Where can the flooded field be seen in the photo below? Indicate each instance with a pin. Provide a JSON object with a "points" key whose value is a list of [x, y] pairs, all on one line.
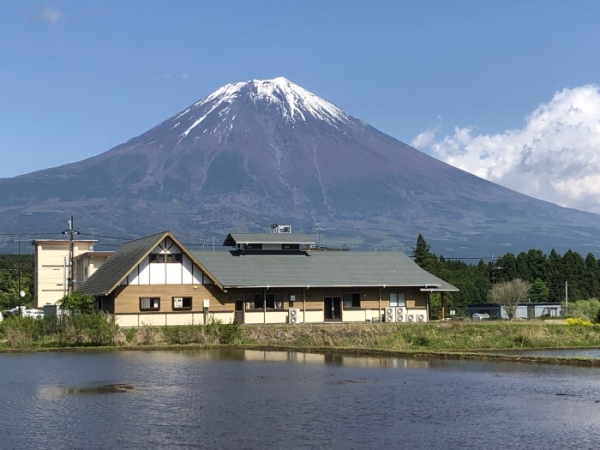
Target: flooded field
{"points": [[241, 399]]}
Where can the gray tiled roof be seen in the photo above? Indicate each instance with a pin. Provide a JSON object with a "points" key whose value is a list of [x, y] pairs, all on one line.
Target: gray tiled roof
{"points": [[117, 266], [267, 238], [316, 269]]}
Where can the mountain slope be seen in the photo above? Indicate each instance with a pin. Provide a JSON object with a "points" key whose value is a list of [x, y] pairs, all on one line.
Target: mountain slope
{"points": [[265, 151]]}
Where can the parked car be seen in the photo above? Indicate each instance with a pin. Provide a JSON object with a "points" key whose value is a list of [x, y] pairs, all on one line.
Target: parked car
{"points": [[33, 313], [481, 316]]}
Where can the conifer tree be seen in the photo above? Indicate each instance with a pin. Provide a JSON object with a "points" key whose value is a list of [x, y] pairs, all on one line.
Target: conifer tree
{"points": [[423, 256], [538, 292]]}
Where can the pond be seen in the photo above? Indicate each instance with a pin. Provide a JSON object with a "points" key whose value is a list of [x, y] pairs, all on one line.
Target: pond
{"points": [[241, 399]]}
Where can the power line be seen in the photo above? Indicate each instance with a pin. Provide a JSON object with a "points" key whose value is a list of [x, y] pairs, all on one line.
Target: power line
{"points": [[29, 234], [120, 238]]}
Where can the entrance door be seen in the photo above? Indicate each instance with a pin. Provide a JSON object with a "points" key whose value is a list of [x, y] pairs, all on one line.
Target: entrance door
{"points": [[333, 308], [239, 311], [531, 311]]}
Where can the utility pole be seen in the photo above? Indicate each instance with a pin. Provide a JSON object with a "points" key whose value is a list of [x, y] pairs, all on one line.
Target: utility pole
{"points": [[566, 298], [21, 291], [71, 232]]}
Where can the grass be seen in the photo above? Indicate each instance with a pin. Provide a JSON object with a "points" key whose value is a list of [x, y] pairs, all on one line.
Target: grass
{"points": [[463, 340], [462, 336]]}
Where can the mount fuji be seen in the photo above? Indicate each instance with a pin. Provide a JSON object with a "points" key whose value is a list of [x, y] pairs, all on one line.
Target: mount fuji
{"points": [[263, 151]]}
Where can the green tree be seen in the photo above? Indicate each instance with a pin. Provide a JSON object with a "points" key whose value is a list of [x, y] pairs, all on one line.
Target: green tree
{"points": [[592, 275], [78, 303], [585, 309], [11, 282], [555, 277], [423, 256], [538, 292], [575, 274], [507, 268]]}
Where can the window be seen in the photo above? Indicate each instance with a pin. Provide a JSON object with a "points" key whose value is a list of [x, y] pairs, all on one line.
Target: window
{"points": [[173, 257], [254, 301], [397, 299], [290, 246], [351, 301], [182, 303], [274, 301], [165, 258], [149, 303]]}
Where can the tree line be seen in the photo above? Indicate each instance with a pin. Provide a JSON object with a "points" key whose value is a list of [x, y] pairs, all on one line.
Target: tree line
{"points": [[547, 275], [16, 274]]}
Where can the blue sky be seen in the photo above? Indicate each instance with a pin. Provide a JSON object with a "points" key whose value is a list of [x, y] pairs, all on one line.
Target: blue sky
{"points": [[452, 77]]}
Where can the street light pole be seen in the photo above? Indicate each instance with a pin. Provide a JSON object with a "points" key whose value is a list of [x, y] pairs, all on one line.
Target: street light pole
{"points": [[21, 293], [71, 233]]}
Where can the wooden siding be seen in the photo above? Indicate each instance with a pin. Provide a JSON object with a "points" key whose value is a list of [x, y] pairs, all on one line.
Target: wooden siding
{"points": [[127, 298]]}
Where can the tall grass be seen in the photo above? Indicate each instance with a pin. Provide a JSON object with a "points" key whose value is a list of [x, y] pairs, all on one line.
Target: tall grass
{"points": [[429, 336], [65, 331], [101, 330]]}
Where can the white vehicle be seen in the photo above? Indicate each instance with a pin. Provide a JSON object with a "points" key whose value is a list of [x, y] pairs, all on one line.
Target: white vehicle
{"points": [[33, 313], [481, 316]]}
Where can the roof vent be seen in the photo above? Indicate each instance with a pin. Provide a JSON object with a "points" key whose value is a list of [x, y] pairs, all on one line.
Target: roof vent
{"points": [[281, 228]]}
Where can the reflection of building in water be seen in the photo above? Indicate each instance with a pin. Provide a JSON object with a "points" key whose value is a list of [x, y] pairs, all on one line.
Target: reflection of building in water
{"points": [[336, 359]]}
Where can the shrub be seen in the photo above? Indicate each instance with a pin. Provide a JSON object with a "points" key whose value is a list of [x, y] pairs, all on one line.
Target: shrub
{"points": [[580, 322], [22, 332], [585, 309], [149, 335], [184, 334], [222, 333], [86, 329]]}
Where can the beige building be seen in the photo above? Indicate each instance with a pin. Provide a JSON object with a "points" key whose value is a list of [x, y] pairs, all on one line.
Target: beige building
{"points": [[86, 264], [264, 278], [52, 268]]}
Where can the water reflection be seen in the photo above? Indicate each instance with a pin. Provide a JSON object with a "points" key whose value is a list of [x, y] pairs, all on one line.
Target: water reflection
{"points": [[334, 359], [567, 353], [231, 399]]}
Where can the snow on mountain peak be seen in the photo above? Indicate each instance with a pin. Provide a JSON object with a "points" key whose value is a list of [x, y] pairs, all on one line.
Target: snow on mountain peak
{"points": [[293, 101]]}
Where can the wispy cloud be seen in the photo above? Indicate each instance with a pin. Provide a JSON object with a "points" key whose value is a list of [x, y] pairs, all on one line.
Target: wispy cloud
{"points": [[167, 76], [48, 15], [164, 76], [554, 157]]}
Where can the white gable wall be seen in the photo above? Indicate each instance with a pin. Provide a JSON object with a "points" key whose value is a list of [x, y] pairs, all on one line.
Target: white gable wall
{"points": [[155, 273]]}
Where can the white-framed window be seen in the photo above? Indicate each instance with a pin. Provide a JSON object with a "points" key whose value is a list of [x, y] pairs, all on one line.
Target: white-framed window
{"points": [[149, 303], [182, 303], [397, 299]]}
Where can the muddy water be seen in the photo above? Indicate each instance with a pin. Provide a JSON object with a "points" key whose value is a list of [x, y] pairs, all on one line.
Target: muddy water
{"points": [[236, 399]]}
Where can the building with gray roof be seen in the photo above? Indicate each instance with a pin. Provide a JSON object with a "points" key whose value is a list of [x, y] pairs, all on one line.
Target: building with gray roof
{"points": [[264, 278]]}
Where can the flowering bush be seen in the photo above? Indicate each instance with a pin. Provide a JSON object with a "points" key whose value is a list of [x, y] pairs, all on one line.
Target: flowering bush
{"points": [[585, 323]]}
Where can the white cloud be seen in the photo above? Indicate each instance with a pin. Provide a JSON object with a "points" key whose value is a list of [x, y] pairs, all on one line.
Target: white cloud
{"points": [[425, 139], [49, 15], [554, 157]]}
